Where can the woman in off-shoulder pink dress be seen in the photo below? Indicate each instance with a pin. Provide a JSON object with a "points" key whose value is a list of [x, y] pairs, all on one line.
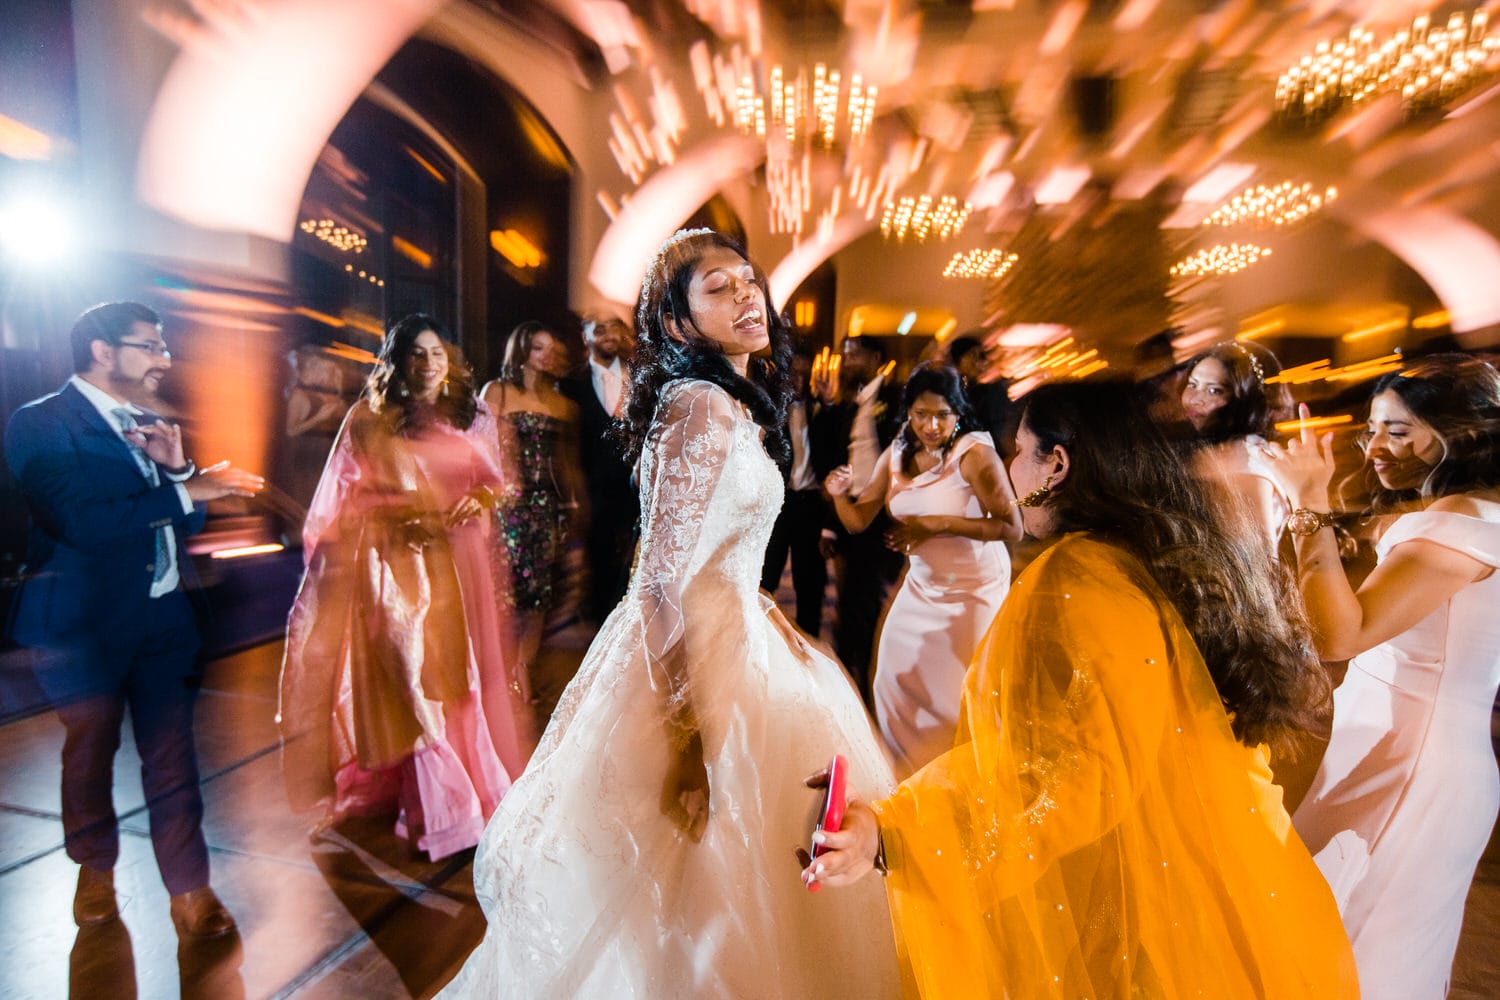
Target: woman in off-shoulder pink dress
{"points": [[1406, 796]]}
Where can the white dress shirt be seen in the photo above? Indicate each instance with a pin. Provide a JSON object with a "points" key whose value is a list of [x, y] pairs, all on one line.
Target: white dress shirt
{"points": [[864, 439], [609, 383], [802, 477], [106, 405]]}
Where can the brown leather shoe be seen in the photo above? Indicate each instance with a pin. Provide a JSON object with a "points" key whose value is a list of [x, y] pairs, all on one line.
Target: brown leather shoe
{"points": [[200, 914], [94, 902]]}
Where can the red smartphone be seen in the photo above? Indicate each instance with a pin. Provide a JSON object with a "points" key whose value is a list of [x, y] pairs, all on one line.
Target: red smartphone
{"points": [[835, 796]]}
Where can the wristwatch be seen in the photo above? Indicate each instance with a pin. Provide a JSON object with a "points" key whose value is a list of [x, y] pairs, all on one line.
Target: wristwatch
{"points": [[1304, 521]]}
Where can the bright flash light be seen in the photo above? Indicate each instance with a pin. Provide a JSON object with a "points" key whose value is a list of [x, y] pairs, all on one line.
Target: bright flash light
{"points": [[34, 231]]}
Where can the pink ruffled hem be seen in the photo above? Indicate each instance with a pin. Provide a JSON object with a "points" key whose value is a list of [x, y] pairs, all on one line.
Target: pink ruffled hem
{"points": [[445, 793]]}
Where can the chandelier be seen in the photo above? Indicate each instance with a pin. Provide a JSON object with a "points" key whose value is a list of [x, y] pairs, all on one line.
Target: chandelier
{"points": [[337, 236], [1266, 206], [920, 217], [800, 112], [795, 115], [1427, 66], [1219, 260], [980, 264]]}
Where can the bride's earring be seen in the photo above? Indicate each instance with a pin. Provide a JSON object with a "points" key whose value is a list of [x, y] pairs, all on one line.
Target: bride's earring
{"points": [[1036, 496]]}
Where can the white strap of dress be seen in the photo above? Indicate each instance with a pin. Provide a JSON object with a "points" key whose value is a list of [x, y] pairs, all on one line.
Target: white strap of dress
{"points": [[1473, 536]]}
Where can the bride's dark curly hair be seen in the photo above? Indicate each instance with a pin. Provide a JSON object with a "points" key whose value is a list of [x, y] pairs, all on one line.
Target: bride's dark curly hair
{"points": [[1127, 485], [661, 358]]}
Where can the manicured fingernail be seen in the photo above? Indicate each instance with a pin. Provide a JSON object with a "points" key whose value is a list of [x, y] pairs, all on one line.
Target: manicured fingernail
{"points": [[817, 871]]}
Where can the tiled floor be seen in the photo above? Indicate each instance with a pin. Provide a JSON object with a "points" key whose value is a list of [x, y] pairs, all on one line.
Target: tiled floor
{"points": [[353, 913]]}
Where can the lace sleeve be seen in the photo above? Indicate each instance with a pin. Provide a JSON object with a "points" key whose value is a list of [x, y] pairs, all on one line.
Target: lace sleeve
{"points": [[685, 454]]}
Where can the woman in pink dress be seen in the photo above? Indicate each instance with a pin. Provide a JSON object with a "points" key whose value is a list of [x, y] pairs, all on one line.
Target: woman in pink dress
{"points": [[395, 693], [943, 483]]}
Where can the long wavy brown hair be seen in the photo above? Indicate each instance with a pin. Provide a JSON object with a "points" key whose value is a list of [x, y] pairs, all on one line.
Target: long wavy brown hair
{"points": [[1255, 405], [1458, 397], [1127, 485], [386, 387]]}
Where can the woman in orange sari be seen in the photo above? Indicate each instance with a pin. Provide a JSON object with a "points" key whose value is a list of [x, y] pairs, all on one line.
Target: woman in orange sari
{"points": [[1105, 824]]}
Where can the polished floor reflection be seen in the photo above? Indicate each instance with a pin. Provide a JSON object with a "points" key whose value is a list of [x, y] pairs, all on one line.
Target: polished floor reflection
{"points": [[348, 912]]}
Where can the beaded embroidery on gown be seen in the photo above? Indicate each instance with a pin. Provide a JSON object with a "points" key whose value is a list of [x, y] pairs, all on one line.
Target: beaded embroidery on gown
{"points": [[589, 890], [532, 524]]}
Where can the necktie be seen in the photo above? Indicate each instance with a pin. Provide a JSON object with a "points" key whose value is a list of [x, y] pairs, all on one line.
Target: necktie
{"points": [[143, 462], [611, 384]]}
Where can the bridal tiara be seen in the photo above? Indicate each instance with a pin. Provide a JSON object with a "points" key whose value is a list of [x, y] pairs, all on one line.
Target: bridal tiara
{"points": [[655, 273], [1255, 366]]}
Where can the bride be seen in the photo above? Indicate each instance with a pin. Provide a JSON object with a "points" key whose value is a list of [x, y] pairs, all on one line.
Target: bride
{"points": [[647, 850]]}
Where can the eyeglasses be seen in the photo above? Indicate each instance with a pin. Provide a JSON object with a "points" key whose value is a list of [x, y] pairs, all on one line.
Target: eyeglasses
{"points": [[160, 350]]}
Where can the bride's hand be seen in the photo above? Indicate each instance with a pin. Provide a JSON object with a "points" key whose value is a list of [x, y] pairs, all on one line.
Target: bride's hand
{"points": [[684, 793], [795, 641]]}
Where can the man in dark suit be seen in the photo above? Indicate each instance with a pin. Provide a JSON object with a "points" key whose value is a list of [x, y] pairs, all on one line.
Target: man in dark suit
{"points": [[111, 498], [614, 507], [798, 529], [990, 400], [855, 430]]}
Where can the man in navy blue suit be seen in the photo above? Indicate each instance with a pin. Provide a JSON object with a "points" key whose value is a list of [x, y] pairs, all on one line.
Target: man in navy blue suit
{"points": [[111, 499]]}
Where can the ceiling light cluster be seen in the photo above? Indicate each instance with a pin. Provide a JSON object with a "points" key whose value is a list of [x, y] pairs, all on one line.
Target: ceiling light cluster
{"points": [[1427, 66], [979, 264], [337, 236], [797, 111], [1279, 205], [923, 216], [1219, 260], [366, 276]]}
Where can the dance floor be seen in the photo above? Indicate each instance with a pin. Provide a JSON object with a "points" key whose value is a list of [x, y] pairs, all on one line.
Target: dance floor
{"points": [[352, 912]]}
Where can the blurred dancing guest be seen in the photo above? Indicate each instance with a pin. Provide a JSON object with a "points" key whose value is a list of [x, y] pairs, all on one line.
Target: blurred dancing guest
{"points": [[1106, 824], [1233, 408], [315, 408], [112, 497], [861, 421], [634, 856], [1406, 795], [943, 483], [395, 693], [614, 508], [799, 527], [990, 401], [542, 425]]}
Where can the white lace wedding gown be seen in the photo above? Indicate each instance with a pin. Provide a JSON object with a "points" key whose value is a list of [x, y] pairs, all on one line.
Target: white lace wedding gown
{"points": [[589, 890]]}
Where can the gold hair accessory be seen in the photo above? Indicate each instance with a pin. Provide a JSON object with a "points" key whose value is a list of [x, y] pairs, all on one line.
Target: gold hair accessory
{"points": [[1255, 366], [654, 273], [1035, 497]]}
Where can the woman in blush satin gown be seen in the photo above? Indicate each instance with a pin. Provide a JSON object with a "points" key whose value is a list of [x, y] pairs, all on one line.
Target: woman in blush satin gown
{"points": [[943, 483], [648, 850], [395, 692], [1105, 825], [1407, 793]]}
